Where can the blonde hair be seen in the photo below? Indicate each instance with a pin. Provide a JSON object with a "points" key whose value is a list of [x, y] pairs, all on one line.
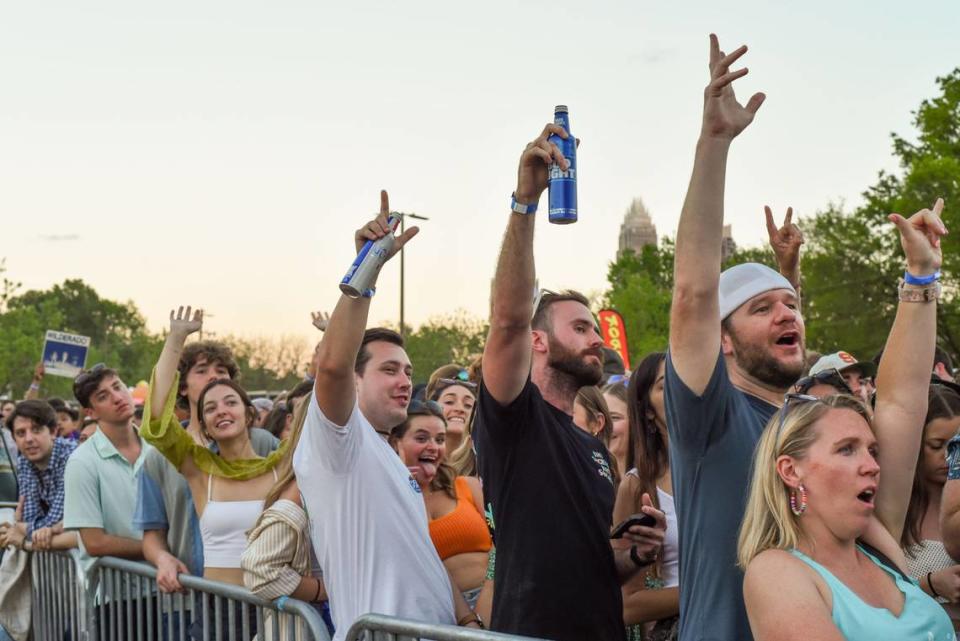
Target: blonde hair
{"points": [[285, 466], [768, 522]]}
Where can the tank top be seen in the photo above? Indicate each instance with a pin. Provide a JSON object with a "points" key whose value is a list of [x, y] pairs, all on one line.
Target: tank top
{"points": [[462, 530], [223, 528], [922, 619]]}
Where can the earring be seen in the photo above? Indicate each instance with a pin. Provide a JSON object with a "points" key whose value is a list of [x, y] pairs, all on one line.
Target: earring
{"points": [[798, 506]]}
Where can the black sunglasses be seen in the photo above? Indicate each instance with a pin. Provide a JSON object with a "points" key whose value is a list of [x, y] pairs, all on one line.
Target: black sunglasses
{"points": [[89, 374], [831, 377]]}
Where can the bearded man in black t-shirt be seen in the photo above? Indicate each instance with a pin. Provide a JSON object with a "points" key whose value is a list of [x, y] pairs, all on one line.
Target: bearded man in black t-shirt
{"points": [[549, 484]]}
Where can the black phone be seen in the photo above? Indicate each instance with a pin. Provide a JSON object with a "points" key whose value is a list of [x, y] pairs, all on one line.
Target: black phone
{"points": [[634, 519]]}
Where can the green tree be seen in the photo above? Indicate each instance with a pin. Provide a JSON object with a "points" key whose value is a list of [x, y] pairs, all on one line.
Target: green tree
{"points": [[117, 331], [441, 340], [641, 287]]}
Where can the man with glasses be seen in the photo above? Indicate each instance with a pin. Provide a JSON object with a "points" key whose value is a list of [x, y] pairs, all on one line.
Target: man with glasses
{"points": [[549, 483], [368, 521]]}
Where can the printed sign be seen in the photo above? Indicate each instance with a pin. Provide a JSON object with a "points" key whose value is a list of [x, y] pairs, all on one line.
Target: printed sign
{"points": [[614, 333], [65, 354]]}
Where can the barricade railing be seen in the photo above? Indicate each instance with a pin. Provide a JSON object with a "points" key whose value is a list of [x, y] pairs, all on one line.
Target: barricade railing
{"points": [[378, 627], [117, 601], [60, 604]]}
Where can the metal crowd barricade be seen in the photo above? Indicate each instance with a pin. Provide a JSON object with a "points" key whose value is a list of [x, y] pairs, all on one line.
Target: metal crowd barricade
{"points": [[377, 627], [118, 601], [60, 604]]}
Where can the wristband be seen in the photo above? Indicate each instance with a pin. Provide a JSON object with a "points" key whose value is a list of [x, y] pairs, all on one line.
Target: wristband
{"points": [[928, 294], [282, 601], [910, 279], [518, 208], [933, 590], [34, 386]]}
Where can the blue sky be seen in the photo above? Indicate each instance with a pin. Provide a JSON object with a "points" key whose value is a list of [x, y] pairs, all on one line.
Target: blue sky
{"points": [[221, 153]]}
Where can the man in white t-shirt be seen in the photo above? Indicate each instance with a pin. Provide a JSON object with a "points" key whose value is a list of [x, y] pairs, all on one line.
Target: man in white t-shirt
{"points": [[368, 522]]}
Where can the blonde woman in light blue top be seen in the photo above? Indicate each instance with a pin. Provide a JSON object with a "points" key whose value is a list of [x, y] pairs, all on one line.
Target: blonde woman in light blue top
{"points": [[820, 540]]}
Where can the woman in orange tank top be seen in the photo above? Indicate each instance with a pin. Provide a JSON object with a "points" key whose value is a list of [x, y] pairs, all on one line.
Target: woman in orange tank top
{"points": [[454, 503]]}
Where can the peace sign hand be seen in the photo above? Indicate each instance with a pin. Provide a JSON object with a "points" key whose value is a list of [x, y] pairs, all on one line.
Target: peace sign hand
{"points": [[181, 323], [723, 117]]}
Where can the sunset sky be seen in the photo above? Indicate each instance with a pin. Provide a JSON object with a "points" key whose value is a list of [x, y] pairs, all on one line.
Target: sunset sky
{"points": [[221, 154]]}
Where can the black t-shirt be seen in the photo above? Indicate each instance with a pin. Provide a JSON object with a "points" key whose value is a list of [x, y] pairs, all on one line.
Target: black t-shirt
{"points": [[550, 488]]}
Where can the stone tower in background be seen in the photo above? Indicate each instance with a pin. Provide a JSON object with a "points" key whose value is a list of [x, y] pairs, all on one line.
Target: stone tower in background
{"points": [[637, 229]]}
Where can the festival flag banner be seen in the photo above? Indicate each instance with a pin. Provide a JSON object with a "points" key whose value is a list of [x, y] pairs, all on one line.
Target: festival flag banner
{"points": [[65, 354], [614, 333]]}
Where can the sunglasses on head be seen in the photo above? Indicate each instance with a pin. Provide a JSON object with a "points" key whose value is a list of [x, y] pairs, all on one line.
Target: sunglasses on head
{"points": [[831, 377], [447, 382], [622, 379], [789, 402], [89, 374]]}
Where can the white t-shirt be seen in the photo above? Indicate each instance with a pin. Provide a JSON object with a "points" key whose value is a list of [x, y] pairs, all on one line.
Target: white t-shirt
{"points": [[368, 524]]}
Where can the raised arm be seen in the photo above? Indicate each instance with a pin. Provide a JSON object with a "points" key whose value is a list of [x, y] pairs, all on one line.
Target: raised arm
{"points": [[181, 326], [904, 375], [337, 352], [506, 356], [695, 313]]}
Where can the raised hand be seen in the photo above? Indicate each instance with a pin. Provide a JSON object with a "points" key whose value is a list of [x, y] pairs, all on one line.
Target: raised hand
{"points": [[785, 241], [723, 116], [39, 372], [320, 320], [920, 238], [378, 228], [535, 164], [182, 324]]}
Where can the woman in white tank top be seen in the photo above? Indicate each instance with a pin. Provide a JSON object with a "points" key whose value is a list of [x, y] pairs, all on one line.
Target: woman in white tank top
{"points": [[228, 488]]}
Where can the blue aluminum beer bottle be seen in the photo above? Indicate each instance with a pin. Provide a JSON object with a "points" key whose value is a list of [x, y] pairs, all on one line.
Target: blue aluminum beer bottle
{"points": [[363, 272], [563, 184]]}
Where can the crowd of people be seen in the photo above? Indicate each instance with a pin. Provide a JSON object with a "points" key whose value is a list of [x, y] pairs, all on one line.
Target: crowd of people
{"points": [[728, 487]]}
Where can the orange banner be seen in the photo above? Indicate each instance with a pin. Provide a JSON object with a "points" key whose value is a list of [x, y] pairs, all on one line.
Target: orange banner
{"points": [[614, 333]]}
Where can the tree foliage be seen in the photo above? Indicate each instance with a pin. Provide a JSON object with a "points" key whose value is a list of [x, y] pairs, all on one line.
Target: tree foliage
{"points": [[442, 340]]}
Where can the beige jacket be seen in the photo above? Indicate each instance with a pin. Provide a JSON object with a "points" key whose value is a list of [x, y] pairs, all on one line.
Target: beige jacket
{"points": [[278, 551]]}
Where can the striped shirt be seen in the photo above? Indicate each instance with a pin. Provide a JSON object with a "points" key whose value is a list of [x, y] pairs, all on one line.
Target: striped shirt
{"points": [[278, 551]]}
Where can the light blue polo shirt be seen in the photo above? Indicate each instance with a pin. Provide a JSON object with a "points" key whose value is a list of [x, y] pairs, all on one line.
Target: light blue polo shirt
{"points": [[101, 490]]}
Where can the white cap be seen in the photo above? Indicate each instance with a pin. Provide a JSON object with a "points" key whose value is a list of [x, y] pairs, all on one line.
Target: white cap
{"points": [[842, 361], [742, 282]]}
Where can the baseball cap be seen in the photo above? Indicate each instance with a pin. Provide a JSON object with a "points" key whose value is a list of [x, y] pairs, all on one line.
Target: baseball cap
{"points": [[740, 283], [263, 404], [842, 361]]}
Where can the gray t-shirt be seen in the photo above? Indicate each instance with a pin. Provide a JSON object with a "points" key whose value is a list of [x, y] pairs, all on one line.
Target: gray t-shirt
{"points": [[712, 439]]}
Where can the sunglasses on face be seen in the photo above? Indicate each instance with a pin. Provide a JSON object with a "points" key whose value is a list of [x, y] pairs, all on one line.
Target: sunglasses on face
{"points": [[88, 375], [831, 377]]}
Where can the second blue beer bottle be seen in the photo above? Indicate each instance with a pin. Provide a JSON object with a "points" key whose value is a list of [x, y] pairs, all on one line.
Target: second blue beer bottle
{"points": [[563, 184]]}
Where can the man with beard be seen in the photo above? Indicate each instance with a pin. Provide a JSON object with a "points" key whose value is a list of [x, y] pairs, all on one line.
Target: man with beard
{"points": [[550, 484], [736, 347]]}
